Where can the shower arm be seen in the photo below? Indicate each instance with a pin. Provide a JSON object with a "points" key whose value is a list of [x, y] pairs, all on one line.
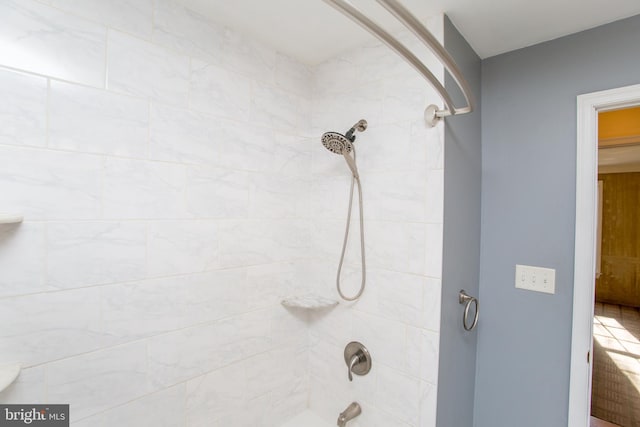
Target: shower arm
{"points": [[433, 114]]}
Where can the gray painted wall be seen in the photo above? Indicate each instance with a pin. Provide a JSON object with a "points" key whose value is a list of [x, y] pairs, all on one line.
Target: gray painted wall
{"points": [[462, 173], [528, 215]]}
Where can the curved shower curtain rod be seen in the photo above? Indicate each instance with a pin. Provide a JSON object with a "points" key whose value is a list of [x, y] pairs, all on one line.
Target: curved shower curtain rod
{"points": [[433, 114]]}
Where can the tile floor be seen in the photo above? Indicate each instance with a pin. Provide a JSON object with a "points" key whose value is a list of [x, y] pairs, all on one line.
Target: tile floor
{"points": [[615, 395]]}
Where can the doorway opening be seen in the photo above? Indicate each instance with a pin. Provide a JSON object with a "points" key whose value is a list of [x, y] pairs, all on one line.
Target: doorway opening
{"points": [[615, 391], [588, 260]]}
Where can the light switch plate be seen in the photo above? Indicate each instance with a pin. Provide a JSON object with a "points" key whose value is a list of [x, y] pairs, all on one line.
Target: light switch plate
{"points": [[537, 279]]}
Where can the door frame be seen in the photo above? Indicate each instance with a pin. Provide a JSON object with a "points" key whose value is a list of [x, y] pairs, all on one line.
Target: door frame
{"points": [[589, 105]]}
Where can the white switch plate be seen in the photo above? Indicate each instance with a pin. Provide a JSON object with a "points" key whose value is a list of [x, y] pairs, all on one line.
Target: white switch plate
{"points": [[537, 279]]}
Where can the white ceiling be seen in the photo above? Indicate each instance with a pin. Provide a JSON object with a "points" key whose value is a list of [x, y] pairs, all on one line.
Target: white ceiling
{"points": [[312, 31]]}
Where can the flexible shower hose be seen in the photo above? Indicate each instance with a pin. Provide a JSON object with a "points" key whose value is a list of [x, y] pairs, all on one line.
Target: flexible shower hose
{"points": [[354, 180]]}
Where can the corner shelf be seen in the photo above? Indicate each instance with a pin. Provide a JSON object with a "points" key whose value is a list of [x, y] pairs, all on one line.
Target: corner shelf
{"points": [[8, 374], [309, 302], [10, 218]]}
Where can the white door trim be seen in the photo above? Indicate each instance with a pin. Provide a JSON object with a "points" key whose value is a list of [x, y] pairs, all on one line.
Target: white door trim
{"points": [[585, 242]]}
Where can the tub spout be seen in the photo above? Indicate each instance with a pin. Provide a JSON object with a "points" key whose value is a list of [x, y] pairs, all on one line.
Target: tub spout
{"points": [[348, 414]]}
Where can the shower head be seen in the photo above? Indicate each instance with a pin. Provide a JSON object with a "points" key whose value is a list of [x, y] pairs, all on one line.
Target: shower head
{"points": [[339, 143], [343, 144], [336, 143]]}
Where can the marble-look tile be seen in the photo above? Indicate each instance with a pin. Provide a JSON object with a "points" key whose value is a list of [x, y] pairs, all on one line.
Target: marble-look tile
{"points": [[136, 310], [142, 189], [93, 421], [339, 111], [248, 56], [273, 196], [22, 258], [191, 352], [406, 99], [165, 408], [386, 148], [100, 380], [329, 196], [435, 196], [220, 92], [327, 400], [375, 62], [30, 386], [216, 395], [336, 75], [183, 30], [38, 38], [23, 120], [432, 304], [132, 16], [429, 351], [293, 75], [384, 338], [289, 399], [141, 68], [433, 250], [185, 136], [428, 404], [252, 242], [215, 295], [401, 196], [217, 193], [263, 150], [179, 247], [400, 246], [325, 163], [50, 185], [392, 395], [276, 108], [267, 284], [427, 146], [96, 121], [288, 328], [291, 156], [328, 238], [44, 327], [326, 360], [336, 329], [91, 253], [395, 296], [271, 370], [154, 306]]}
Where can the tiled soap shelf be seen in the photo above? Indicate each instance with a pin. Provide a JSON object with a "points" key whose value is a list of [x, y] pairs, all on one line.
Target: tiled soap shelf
{"points": [[8, 374], [309, 302], [10, 218]]}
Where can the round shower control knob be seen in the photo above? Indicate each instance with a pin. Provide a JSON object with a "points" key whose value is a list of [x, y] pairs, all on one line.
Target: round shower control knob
{"points": [[357, 358]]}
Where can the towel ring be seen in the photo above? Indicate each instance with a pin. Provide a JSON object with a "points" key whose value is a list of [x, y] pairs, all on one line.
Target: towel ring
{"points": [[464, 298]]}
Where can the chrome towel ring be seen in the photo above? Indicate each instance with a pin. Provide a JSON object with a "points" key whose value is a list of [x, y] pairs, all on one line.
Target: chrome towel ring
{"points": [[466, 299]]}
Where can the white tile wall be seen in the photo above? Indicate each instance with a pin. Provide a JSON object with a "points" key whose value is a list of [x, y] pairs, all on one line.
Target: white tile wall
{"points": [[401, 168], [174, 190], [161, 227], [141, 68], [96, 121], [47, 41], [23, 121]]}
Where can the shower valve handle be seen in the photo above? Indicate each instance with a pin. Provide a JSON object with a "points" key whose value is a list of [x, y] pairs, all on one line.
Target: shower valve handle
{"points": [[357, 358]]}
